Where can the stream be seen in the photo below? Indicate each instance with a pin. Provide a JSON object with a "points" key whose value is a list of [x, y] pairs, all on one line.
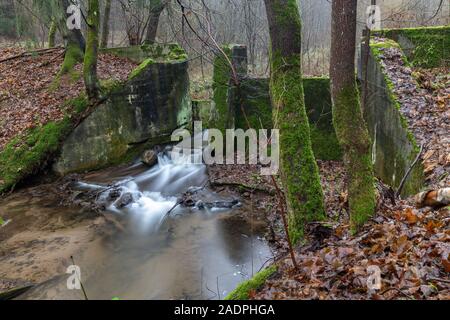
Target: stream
{"points": [[197, 252]]}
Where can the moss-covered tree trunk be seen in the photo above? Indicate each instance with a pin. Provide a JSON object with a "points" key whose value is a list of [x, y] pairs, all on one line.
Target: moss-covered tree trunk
{"points": [[349, 123], [299, 171], [156, 8], [52, 34], [73, 39], [91, 54], [105, 26]]}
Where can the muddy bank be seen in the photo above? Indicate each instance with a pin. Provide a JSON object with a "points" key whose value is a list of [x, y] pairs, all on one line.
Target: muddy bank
{"points": [[41, 235], [217, 235]]}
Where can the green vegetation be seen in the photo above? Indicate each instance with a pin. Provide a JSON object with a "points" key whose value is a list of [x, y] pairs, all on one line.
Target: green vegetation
{"points": [[425, 47], [243, 291], [30, 152], [256, 103], [52, 34], [376, 48], [416, 177], [91, 53], [325, 144], [171, 52], [355, 143], [319, 108], [258, 108], [74, 54], [221, 82], [143, 66], [300, 173]]}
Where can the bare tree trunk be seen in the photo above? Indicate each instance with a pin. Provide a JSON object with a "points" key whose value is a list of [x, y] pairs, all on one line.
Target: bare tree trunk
{"points": [[90, 57], [156, 8], [299, 171], [105, 27], [349, 123]]}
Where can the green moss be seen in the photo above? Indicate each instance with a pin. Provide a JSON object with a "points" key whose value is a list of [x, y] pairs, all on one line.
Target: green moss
{"points": [[355, 141], [287, 14], [28, 153], [177, 53], [431, 45], [243, 291], [256, 103], [376, 49], [171, 52], [300, 174], [73, 55], [325, 145], [221, 83], [143, 66]]}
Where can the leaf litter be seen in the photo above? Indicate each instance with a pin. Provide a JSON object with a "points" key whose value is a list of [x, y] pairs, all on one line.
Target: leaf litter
{"points": [[28, 96]]}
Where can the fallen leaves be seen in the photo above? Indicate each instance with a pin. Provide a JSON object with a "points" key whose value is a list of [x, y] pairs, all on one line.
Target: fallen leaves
{"points": [[424, 96], [407, 254], [411, 217], [27, 97]]}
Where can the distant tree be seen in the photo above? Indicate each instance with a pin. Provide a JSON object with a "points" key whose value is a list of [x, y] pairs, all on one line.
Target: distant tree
{"points": [[349, 123], [156, 7], [299, 171], [90, 57], [7, 19], [105, 27]]}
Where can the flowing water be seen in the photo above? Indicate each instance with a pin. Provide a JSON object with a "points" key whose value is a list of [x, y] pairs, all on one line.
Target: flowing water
{"points": [[192, 253]]}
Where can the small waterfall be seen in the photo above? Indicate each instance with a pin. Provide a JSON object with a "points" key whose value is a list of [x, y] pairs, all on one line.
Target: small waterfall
{"points": [[148, 197]]}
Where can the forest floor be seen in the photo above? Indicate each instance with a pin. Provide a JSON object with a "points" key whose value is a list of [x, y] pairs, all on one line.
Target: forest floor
{"points": [[28, 94], [424, 96], [410, 246]]}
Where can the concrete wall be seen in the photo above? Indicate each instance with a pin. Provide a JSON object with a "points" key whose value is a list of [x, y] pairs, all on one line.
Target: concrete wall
{"points": [[255, 100], [394, 146], [424, 47], [142, 112]]}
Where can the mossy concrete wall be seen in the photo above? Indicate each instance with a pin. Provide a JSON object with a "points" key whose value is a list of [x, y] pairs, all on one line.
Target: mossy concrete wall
{"points": [[158, 52], [225, 94], [394, 146], [424, 47], [202, 111], [253, 97], [142, 112]]}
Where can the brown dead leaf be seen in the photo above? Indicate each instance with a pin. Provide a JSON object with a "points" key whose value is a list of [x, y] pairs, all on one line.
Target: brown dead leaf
{"points": [[410, 216], [446, 264]]}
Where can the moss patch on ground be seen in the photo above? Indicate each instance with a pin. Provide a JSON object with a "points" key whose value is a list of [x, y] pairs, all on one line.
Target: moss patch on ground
{"points": [[242, 292], [28, 153]]}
